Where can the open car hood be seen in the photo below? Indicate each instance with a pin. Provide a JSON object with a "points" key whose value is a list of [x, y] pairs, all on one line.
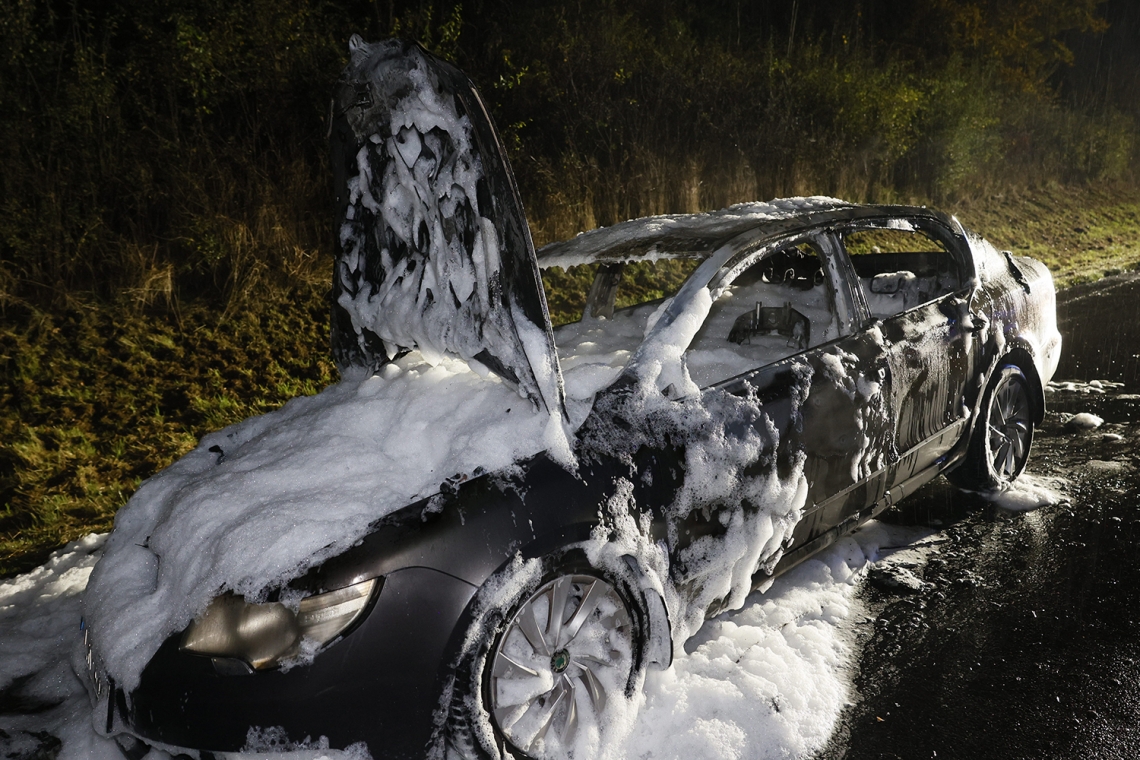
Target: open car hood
{"points": [[433, 250]]}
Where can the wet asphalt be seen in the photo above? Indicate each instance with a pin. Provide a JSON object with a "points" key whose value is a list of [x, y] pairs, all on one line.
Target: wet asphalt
{"points": [[1025, 640]]}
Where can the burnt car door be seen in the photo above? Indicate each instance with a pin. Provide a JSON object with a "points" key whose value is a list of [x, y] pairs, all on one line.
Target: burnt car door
{"points": [[914, 279], [781, 351]]}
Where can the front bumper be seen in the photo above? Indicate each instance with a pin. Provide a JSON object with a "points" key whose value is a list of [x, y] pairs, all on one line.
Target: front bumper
{"points": [[379, 685]]}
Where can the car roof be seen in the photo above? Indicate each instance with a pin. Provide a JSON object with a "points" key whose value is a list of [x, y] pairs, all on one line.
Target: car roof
{"points": [[698, 235]]}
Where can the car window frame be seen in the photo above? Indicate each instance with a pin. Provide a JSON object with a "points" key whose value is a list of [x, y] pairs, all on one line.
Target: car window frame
{"points": [[739, 251], [954, 241], [717, 272], [834, 269]]}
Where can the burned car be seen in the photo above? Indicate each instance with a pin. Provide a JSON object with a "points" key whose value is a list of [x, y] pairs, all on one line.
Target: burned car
{"points": [[478, 541]]}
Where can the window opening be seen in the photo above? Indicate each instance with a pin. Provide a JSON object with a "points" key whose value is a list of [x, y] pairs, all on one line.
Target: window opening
{"points": [[899, 269], [615, 308], [779, 306]]}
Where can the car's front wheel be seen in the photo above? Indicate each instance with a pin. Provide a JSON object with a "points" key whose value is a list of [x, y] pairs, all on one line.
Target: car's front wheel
{"points": [[566, 649], [557, 670], [1003, 434]]}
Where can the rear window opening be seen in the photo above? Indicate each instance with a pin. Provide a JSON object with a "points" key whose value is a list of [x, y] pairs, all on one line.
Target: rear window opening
{"points": [[899, 269]]}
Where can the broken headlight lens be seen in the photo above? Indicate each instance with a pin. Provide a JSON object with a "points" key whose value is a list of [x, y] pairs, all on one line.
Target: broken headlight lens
{"points": [[265, 635]]}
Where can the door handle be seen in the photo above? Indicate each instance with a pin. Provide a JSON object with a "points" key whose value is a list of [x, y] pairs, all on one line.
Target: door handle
{"points": [[959, 313]]}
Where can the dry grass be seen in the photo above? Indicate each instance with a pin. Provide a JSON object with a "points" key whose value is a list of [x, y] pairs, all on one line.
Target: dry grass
{"points": [[95, 397], [1082, 233]]}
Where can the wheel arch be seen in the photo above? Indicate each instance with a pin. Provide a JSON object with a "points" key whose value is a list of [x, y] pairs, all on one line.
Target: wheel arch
{"points": [[1020, 356], [648, 584], [489, 609]]}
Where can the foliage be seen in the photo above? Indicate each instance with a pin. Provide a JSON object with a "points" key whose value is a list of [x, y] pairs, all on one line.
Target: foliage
{"points": [[165, 214], [164, 149], [1023, 40], [175, 149]]}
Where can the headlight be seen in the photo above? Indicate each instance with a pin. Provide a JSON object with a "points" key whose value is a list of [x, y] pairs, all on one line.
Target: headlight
{"points": [[265, 635]]}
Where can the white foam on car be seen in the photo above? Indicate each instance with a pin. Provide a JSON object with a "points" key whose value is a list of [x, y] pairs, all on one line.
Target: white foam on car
{"points": [[284, 491], [302, 484], [712, 358], [793, 643], [642, 238], [422, 261]]}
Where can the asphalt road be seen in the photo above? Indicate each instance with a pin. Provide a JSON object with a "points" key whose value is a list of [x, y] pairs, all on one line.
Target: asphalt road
{"points": [[1025, 642]]}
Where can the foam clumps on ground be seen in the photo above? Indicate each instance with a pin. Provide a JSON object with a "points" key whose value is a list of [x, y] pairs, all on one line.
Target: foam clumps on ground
{"points": [[771, 679], [1029, 492], [1094, 387], [1084, 421], [766, 681]]}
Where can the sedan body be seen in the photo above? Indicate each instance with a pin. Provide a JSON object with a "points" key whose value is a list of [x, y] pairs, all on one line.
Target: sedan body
{"points": [[820, 362]]}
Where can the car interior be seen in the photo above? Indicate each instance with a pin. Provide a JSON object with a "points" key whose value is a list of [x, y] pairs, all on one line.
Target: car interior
{"points": [[900, 269], [779, 306]]}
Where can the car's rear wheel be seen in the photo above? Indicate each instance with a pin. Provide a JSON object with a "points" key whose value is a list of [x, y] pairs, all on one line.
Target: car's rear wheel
{"points": [[1003, 434]]}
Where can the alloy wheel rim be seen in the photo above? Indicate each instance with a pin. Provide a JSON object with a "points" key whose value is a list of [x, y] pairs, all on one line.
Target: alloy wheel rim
{"points": [[550, 673], [1009, 429]]}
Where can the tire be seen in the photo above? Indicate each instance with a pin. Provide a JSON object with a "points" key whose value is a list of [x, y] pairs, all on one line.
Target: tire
{"points": [[543, 683], [1003, 434]]}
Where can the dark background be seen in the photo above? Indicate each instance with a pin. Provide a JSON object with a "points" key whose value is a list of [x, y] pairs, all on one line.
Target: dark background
{"points": [[166, 209], [179, 145]]}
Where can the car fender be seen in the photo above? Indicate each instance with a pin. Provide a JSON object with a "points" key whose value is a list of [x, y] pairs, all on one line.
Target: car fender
{"points": [[638, 576]]}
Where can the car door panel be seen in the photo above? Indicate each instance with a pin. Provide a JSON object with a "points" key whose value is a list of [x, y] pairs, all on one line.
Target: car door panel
{"points": [[841, 425], [920, 300], [929, 361]]}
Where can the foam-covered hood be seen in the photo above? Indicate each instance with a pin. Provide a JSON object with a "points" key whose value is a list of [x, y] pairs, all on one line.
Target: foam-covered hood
{"points": [[433, 251]]}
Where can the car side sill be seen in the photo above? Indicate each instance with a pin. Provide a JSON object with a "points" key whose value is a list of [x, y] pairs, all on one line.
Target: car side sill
{"points": [[833, 534]]}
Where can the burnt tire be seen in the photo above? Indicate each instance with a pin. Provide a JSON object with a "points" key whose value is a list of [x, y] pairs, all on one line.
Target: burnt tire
{"points": [[1003, 434], [537, 681]]}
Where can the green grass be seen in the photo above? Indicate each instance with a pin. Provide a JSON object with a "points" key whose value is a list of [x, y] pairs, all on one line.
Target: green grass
{"points": [[1082, 233], [96, 397]]}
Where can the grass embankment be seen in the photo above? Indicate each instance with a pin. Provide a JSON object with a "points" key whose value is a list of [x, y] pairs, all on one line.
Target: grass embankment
{"points": [[1082, 234], [95, 398]]}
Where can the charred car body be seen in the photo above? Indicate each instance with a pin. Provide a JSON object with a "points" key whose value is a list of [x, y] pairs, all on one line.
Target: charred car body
{"points": [[820, 362]]}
